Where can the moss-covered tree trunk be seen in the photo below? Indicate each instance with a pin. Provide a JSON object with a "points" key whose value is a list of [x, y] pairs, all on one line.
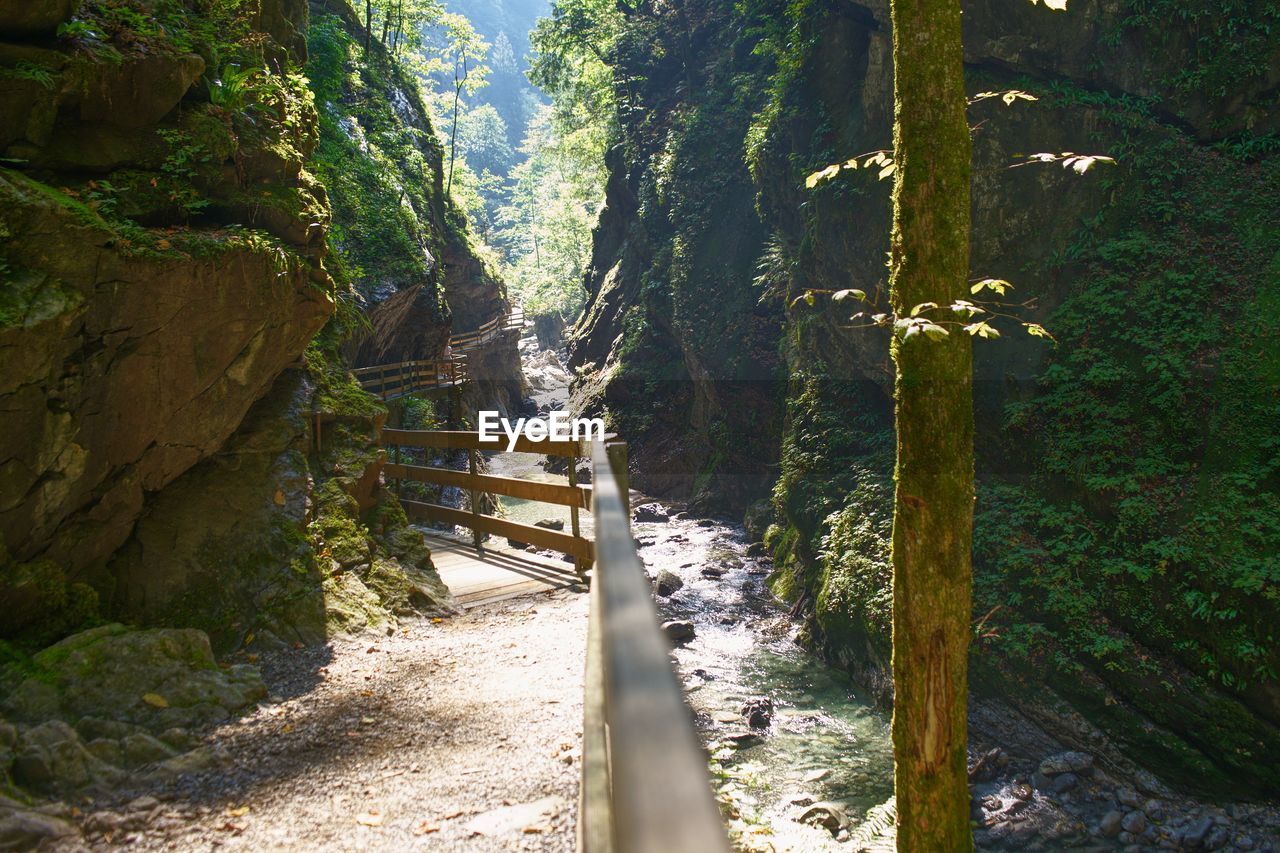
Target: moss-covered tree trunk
{"points": [[933, 509]]}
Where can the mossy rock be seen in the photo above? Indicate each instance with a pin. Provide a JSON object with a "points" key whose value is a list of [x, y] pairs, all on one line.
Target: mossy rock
{"points": [[157, 679]]}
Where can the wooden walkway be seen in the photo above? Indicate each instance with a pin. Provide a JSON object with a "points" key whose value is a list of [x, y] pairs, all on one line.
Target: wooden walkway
{"points": [[499, 573]]}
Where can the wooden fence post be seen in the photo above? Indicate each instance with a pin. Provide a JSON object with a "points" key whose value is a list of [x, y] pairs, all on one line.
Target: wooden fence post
{"points": [[475, 500], [578, 563]]}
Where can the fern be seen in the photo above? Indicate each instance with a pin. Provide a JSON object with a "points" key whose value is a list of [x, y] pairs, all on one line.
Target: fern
{"points": [[877, 832]]}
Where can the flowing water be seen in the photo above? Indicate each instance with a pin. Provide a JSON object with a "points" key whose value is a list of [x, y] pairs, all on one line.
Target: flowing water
{"points": [[825, 742]]}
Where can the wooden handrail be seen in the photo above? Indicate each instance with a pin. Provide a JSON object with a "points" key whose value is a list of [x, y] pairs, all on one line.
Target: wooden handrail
{"points": [[463, 440], [530, 490], [389, 381], [645, 784]]}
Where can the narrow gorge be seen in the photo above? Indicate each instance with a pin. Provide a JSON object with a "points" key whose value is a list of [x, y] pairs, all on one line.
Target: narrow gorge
{"points": [[263, 263]]}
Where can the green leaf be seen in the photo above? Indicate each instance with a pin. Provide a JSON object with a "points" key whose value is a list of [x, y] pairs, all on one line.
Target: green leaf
{"points": [[887, 170], [934, 331], [821, 175], [1038, 331], [841, 295], [996, 285], [923, 306], [982, 330]]}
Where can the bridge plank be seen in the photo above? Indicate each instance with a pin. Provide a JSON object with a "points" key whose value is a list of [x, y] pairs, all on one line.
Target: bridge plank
{"points": [[540, 536]]}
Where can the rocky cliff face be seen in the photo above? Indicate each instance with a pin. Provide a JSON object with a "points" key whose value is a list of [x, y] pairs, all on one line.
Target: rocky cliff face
{"points": [[170, 455], [1126, 526], [162, 259], [400, 241]]}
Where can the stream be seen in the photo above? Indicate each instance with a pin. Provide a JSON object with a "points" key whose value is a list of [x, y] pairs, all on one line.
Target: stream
{"points": [[825, 742]]}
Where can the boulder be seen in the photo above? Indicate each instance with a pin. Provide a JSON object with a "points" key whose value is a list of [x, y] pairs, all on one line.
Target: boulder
{"points": [[550, 523], [827, 815], [758, 712], [156, 679], [667, 583], [139, 91], [678, 631], [650, 512]]}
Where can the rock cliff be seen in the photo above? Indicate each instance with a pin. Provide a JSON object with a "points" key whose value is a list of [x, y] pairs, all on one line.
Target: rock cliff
{"points": [[1123, 606]]}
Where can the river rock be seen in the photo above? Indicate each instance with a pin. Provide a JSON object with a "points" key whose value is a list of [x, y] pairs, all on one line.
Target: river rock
{"points": [[650, 512], [1067, 762], [550, 523], [667, 583], [712, 573], [1129, 797], [758, 712], [1109, 826], [827, 815], [742, 738], [678, 630], [1196, 833], [1134, 822], [1217, 839]]}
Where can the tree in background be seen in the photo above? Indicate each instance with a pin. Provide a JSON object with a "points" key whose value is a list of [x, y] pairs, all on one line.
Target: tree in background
{"points": [[933, 505]]}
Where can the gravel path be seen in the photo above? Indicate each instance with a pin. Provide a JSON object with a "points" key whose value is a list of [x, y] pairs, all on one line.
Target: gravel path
{"points": [[456, 734]]}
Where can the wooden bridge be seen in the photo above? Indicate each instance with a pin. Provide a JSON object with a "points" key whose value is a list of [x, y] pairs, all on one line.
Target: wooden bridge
{"points": [[392, 381], [645, 786]]}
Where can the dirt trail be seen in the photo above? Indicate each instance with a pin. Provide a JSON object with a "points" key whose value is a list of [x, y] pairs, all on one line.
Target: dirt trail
{"points": [[456, 734]]}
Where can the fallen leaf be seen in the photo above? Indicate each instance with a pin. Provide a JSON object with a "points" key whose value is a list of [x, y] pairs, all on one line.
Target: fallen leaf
{"points": [[370, 818], [155, 700], [425, 827], [237, 812], [288, 727]]}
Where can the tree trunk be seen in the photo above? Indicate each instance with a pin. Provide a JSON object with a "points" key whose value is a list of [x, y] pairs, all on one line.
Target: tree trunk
{"points": [[458, 83], [368, 24], [933, 508]]}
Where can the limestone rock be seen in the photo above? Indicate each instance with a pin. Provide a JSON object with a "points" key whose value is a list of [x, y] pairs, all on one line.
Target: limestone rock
{"points": [[138, 91]]}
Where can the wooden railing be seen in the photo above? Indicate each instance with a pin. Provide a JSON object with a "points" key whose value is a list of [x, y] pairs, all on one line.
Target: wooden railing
{"points": [[512, 318], [390, 381], [645, 786], [572, 495]]}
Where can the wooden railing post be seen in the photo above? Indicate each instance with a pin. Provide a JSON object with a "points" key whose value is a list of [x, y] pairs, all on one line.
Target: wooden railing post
{"points": [[397, 480], [579, 564], [475, 500]]}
